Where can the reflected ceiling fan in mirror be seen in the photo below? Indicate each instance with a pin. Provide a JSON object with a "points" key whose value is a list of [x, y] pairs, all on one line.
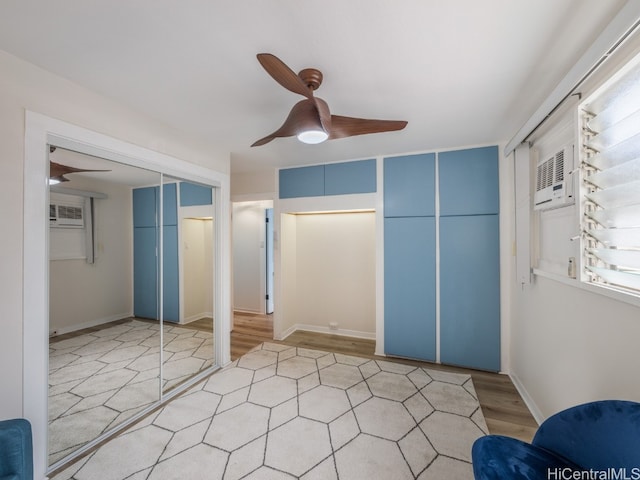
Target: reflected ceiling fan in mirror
{"points": [[57, 171], [310, 120]]}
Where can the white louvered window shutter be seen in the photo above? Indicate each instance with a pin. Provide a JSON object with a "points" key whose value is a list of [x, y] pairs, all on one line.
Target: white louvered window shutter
{"points": [[610, 187]]}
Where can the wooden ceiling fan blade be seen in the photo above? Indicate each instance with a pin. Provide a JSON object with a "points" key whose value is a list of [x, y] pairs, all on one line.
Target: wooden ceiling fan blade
{"points": [[288, 129], [57, 169], [323, 113], [283, 74], [342, 127], [303, 116]]}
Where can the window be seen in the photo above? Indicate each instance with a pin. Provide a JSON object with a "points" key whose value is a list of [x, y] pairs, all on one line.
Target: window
{"points": [[610, 186]]}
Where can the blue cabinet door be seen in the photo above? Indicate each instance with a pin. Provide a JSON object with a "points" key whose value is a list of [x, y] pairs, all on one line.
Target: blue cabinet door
{"points": [[410, 287], [146, 203], [193, 194], [350, 177], [169, 204], [468, 181], [170, 286], [145, 272], [301, 182], [145, 207], [470, 291], [409, 186]]}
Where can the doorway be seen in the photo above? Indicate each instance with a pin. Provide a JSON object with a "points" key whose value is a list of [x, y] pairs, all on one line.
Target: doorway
{"points": [[253, 245]]}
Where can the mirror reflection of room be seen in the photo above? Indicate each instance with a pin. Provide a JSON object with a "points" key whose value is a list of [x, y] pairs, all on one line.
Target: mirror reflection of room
{"points": [[111, 290]]}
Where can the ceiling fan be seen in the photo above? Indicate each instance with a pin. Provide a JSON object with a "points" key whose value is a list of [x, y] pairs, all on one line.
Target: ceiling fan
{"points": [[310, 120], [57, 171]]}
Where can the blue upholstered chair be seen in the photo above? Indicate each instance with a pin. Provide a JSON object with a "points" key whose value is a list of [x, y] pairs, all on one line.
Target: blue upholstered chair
{"points": [[16, 450], [597, 436]]}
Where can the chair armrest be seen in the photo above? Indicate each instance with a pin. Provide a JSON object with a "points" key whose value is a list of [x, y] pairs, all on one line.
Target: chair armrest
{"points": [[16, 450], [597, 435]]}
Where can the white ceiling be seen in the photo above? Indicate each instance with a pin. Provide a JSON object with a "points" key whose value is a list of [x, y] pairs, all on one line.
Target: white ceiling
{"points": [[461, 72]]}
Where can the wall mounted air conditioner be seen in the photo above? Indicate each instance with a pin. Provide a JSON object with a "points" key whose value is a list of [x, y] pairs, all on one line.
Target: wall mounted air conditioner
{"points": [[554, 180], [66, 216]]}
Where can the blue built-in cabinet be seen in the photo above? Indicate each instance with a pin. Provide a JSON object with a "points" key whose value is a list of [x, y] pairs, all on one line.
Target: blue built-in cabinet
{"points": [[410, 185], [410, 287], [410, 256], [146, 231], [467, 222], [470, 258], [146, 245], [331, 179], [192, 194]]}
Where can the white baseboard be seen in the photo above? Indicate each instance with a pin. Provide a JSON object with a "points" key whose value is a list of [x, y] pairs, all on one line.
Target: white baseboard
{"points": [[528, 400], [251, 312], [197, 316], [89, 324], [319, 329]]}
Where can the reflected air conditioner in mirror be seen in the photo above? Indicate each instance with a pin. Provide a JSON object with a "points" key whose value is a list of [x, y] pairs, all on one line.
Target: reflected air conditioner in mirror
{"points": [[66, 216], [554, 181]]}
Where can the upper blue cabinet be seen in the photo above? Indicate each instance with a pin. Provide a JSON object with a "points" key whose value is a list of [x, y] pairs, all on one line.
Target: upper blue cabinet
{"points": [[409, 186], [469, 181], [146, 206], [302, 182], [332, 179], [350, 177], [192, 194]]}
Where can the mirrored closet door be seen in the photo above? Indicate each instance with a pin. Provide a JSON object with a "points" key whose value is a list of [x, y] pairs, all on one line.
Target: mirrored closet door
{"points": [[130, 293]]}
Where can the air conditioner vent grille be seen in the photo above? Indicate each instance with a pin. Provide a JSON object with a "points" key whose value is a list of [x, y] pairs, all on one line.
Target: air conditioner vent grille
{"points": [[559, 166], [69, 212], [554, 182]]}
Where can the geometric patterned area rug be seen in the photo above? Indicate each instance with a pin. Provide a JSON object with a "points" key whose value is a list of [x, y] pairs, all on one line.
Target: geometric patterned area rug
{"points": [[100, 379], [282, 412]]}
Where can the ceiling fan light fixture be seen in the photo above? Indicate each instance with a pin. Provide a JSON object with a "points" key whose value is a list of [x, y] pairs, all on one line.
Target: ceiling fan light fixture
{"points": [[313, 137], [54, 180]]}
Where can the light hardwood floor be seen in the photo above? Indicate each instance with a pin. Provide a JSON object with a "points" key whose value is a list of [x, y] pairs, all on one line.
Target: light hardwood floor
{"points": [[504, 410]]}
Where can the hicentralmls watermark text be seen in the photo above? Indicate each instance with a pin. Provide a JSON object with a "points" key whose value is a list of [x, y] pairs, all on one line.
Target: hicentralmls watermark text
{"points": [[607, 474]]}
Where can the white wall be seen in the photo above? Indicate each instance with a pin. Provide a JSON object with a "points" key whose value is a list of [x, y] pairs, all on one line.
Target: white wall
{"points": [[336, 272], [569, 344], [249, 255], [82, 294], [26, 87], [197, 237], [257, 185]]}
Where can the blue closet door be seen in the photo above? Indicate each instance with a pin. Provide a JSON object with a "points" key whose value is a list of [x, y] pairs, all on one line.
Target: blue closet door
{"points": [[146, 203], [410, 287], [470, 291], [169, 204], [468, 181], [409, 186], [145, 207], [170, 287], [145, 272]]}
